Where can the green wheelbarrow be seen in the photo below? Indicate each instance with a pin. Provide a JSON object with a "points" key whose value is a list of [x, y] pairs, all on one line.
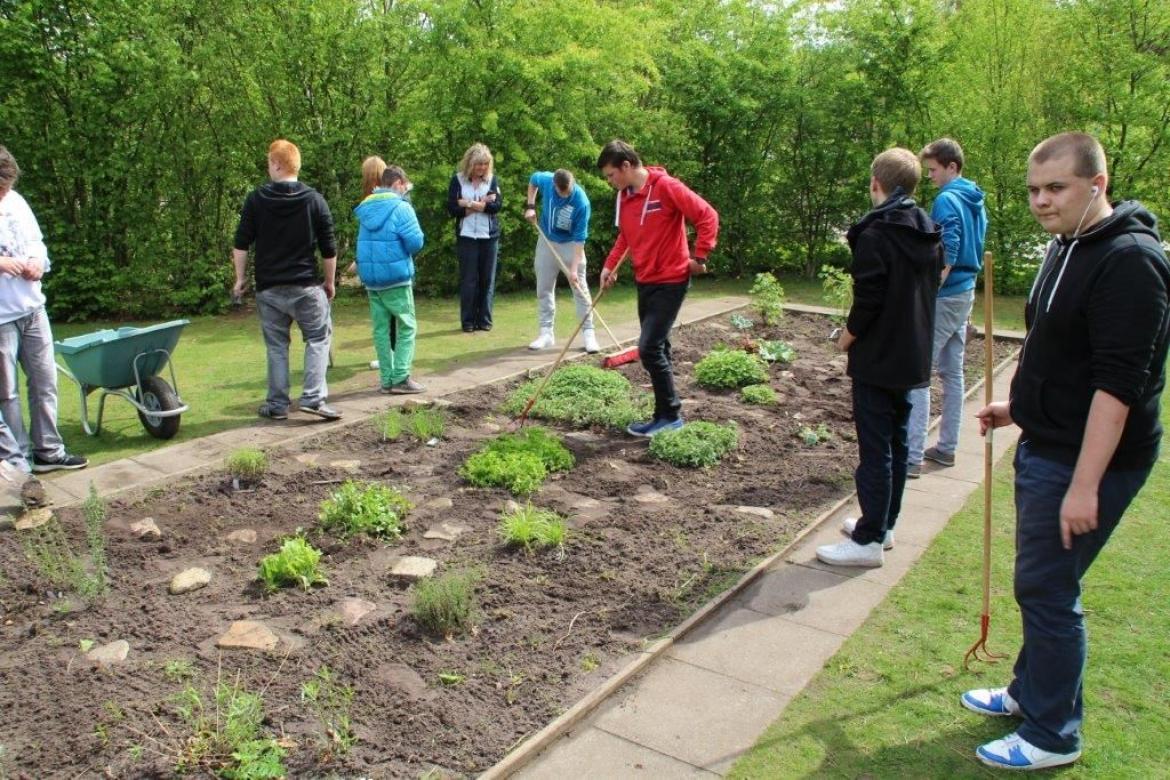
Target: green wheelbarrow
{"points": [[126, 362]]}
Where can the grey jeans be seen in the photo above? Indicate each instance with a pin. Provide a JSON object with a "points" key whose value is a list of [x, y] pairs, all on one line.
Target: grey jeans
{"points": [[279, 307], [29, 342], [547, 270]]}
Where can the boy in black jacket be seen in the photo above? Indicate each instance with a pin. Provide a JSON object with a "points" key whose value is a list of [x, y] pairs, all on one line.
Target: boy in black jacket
{"points": [[1086, 397], [897, 262]]}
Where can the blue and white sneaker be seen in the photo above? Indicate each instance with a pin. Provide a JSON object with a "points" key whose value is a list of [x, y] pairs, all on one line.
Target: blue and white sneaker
{"points": [[1012, 752], [996, 702], [653, 427]]}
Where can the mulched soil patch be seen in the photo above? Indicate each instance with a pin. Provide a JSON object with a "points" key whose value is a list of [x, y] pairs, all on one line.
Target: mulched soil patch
{"points": [[649, 543]]}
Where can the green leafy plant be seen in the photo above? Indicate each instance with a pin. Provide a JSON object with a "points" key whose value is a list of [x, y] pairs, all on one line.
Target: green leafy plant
{"points": [[389, 424], [427, 424], [365, 508], [224, 736], [446, 604], [740, 322], [837, 287], [776, 351], [331, 701], [297, 563], [589, 662], [695, 444], [724, 368], [179, 669], [451, 678], [519, 462], [530, 527], [48, 549], [247, 464], [583, 395], [762, 395], [814, 436], [768, 298]]}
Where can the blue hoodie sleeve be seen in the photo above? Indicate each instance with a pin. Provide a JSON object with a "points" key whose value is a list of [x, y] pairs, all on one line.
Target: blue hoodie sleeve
{"points": [[581, 216], [408, 230], [947, 216]]}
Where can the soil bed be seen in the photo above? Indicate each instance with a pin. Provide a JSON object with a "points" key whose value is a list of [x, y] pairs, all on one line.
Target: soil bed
{"points": [[648, 544]]}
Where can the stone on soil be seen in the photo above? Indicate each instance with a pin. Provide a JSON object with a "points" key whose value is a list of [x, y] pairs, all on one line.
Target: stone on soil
{"points": [[249, 635], [146, 529], [242, 536], [648, 495], [511, 507], [448, 532], [189, 580], [353, 610], [309, 458], [34, 518], [438, 504], [351, 465], [758, 511], [413, 567], [111, 653]]}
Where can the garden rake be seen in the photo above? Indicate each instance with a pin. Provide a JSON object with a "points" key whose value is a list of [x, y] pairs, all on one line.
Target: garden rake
{"points": [[979, 651]]}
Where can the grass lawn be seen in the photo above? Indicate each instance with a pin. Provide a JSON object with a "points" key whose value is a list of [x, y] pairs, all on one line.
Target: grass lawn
{"points": [[887, 704], [220, 361]]}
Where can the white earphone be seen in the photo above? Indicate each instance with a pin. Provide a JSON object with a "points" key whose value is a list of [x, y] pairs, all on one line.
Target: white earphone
{"points": [[1094, 191]]}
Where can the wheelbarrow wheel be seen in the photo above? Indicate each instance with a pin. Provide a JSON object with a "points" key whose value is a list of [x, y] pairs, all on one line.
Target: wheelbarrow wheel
{"points": [[156, 394]]}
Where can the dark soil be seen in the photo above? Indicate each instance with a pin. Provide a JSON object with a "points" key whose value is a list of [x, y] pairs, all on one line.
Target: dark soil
{"points": [[550, 627]]}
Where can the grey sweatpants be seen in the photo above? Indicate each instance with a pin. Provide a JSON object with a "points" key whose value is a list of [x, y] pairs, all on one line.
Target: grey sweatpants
{"points": [[547, 269]]}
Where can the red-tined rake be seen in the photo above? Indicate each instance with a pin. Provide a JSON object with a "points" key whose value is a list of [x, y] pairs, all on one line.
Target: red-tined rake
{"points": [[979, 651]]}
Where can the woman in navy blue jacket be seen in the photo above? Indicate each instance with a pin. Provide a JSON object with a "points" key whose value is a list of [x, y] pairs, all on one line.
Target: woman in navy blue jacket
{"points": [[473, 198]]}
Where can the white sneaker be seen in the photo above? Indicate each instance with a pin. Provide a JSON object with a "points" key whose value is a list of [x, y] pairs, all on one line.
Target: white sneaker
{"points": [[543, 341], [1012, 752], [996, 702], [589, 341], [375, 365], [850, 553], [849, 523]]}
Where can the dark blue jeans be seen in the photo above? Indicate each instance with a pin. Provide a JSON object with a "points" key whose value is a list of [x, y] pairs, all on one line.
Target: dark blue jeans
{"points": [[1050, 668], [658, 307], [880, 416], [477, 280]]}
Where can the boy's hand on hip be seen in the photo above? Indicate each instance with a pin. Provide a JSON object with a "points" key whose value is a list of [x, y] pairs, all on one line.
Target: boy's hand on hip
{"points": [[1078, 514]]}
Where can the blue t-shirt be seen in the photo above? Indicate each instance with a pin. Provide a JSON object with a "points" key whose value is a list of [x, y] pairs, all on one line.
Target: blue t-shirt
{"points": [[563, 220]]}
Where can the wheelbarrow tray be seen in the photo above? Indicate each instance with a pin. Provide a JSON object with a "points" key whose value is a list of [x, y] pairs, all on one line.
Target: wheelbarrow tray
{"points": [[106, 358]]}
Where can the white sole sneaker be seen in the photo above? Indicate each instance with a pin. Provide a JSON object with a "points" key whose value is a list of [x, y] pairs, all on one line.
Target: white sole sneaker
{"points": [[850, 553], [849, 523], [1012, 752]]}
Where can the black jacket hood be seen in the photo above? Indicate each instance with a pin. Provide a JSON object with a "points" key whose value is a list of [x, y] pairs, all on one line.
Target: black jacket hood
{"points": [[283, 198], [903, 224]]}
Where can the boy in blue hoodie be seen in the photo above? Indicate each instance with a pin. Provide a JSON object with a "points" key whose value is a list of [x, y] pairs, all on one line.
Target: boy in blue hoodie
{"points": [[958, 210], [388, 237]]}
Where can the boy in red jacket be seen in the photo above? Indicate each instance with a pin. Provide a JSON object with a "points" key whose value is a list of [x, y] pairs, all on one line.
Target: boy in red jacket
{"points": [[651, 215]]}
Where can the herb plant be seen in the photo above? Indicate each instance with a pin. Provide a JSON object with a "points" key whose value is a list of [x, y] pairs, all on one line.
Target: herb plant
{"points": [[530, 527], [389, 424], [762, 395], [519, 462], [426, 424], [695, 444], [837, 287], [729, 368], [776, 351], [247, 464], [365, 508], [768, 298], [583, 395], [297, 563], [740, 322], [224, 736], [446, 604], [330, 701], [814, 436]]}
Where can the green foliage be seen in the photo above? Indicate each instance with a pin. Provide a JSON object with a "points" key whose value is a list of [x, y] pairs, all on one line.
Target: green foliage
{"points": [[695, 444], [811, 437], [768, 298], [427, 424], [724, 368], [331, 701], [763, 395], [451, 678], [740, 322], [446, 604], [530, 527], [519, 462], [838, 291], [247, 464], [179, 669], [389, 424], [583, 395], [297, 563], [776, 351], [48, 549], [365, 508], [94, 511], [225, 738]]}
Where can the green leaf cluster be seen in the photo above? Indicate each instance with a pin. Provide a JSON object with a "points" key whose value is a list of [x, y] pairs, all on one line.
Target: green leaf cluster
{"points": [[724, 368], [247, 463], [426, 424], [811, 437], [225, 736], [530, 527], [696, 444], [837, 289], [582, 395], [519, 462], [776, 351], [762, 395], [365, 508], [446, 604], [297, 563]]}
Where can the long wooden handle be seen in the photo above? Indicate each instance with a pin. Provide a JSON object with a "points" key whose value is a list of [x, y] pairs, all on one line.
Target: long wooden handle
{"points": [[988, 396], [569, 276]]}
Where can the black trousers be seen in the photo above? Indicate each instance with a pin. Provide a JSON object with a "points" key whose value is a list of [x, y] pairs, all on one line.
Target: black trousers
{"points": [[881, 416], [477, 280], [658, 307]]}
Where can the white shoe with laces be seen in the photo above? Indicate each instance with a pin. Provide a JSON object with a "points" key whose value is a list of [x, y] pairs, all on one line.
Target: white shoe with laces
{"points": [[589, 342], [850, 553], [849, 523], [544, 340], [1014, 752]]}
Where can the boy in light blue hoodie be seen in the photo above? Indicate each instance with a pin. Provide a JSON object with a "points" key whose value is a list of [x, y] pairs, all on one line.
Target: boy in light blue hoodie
{"points": [[388, 238], [958, 210]]}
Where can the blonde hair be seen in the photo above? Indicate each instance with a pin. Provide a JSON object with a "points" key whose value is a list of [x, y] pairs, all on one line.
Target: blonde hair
{"points": [[372, 168], [896, 168], [476, 153], [286, 154]]}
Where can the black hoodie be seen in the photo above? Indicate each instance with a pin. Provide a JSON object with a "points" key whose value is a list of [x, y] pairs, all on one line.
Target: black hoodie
{"points": [[1097, 319], [287, 220], [897, 262]]}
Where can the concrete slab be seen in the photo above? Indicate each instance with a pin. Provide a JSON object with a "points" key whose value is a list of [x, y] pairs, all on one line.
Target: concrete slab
{"points": [[108, 478], [593, 753], [660, 713], [765, 650], [832, 599]]}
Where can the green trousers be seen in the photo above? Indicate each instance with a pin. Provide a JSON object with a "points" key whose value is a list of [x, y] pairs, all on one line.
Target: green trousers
{"points": [[393, 308]]}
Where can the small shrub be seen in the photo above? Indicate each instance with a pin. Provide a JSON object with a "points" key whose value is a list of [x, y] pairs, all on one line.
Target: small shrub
{"points": [[530, 527], [330, 701], [247, 464], [48, 549], [583, 395], [427, 424], [740, 322], [695, 444], [451, 678], [730, 368], [762, 395], [224, 737], [297, 563], [519, 462], [776, 351], [837, 287], [179, 669], [365, 508], [814, 436], [768, 298], [446, 604], [389, 424]]}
